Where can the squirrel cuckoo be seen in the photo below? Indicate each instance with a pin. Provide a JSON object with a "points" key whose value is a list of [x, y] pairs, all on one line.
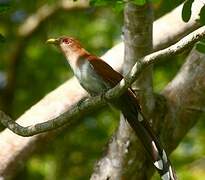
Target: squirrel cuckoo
{"points": [[96, 77]]}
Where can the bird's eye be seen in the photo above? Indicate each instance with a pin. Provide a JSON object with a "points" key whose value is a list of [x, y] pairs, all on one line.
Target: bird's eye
{"points": [[66, 41]]}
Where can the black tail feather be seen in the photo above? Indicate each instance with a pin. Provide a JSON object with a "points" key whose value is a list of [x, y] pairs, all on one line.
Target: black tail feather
{"points": [[131, 110]]}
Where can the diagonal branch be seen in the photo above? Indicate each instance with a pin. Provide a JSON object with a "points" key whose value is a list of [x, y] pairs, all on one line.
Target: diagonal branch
{"points": [[33, 22], [85, 106]]}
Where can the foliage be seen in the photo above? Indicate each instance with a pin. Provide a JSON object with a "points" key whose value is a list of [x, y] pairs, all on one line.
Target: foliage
{"points": [[2, 38], [118, 3], [202, 15], [200, 46], [186, 11], [4, 7], [186, 15]]}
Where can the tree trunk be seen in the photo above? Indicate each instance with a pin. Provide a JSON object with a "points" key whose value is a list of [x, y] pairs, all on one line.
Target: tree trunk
{"points": [[122, 158]]}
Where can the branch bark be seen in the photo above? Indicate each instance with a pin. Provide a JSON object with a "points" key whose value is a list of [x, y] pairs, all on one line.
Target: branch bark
{"points": [[185, 99], [120, 162], [138, 43], [17, 149], [33, 22], [172, 21]]}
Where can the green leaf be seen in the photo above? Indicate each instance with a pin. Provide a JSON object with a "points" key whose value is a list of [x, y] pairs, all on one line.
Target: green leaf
{"points": [[200, 46], [4, 7], [156, 1], [202, 15], [186, 11], [139, 2], [2, 39], [119, 6], [99, 2]]}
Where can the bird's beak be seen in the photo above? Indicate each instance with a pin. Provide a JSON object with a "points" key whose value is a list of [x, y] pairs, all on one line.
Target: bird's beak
{"points": [[53, 41]]}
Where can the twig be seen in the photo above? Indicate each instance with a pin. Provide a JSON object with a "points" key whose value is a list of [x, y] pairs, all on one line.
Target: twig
{"points": [[85, 106], [199, 109]]}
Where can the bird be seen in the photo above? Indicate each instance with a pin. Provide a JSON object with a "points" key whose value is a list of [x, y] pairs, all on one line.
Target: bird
{"points": [[97, 77]]}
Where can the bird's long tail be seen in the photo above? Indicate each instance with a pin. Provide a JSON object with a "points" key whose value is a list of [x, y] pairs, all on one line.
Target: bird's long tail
{"points": [[143, 130]]}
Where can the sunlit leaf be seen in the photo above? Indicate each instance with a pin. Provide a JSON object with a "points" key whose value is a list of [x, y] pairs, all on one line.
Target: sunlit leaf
{"points": [[186, 11], [202, 15], [156, 1], [2, 39], [4, 7], [203, 40], [200, 46], [139, 2], [99, 2], [119, 5]]}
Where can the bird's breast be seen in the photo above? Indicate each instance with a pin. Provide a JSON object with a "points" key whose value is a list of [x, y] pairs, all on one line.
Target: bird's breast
{"points": [[90, 80]]}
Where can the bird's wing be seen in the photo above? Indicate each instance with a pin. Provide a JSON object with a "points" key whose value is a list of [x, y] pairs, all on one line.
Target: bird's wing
{"points": [[105, 71], [108, 74]]}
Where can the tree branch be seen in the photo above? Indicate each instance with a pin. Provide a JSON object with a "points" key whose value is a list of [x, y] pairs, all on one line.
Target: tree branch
{"points": [[172, 21], [185, 99], [33, 22], [138, 32], [111, 94], [74, 113]]}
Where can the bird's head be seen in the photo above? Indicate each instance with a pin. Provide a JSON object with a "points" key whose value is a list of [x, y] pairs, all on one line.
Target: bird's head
{"points": [[68, 45]]}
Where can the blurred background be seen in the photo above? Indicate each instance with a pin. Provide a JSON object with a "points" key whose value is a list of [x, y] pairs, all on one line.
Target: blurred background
{"points": [[29, 69]]}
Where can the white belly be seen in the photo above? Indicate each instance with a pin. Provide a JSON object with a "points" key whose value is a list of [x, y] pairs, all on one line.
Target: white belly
{"points": [[90, 80]]}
